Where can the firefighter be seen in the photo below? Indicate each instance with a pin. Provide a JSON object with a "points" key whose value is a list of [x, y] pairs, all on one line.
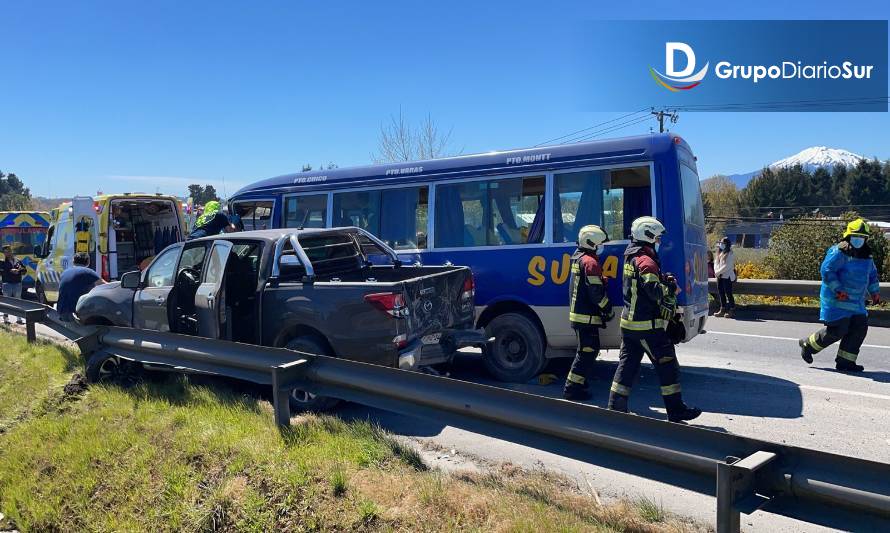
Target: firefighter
{"points": [[650, 302], [849, 277], [589, 310]]}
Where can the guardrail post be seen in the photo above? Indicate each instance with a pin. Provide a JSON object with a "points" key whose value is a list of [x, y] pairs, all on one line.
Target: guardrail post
{"points": [[32, 317], [30, 328], [280, 399], [736, 489]]}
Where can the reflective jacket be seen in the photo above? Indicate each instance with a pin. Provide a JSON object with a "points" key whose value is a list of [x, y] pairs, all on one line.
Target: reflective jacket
{"points": [[588, 305], [649, 300], [851, 271]]}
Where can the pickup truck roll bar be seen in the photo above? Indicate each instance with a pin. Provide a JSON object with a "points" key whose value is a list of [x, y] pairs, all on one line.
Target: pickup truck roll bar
{"points": [[294, 240]]}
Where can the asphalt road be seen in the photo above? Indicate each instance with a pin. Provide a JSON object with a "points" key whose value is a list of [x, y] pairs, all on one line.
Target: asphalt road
{"points": [[749, 379]]}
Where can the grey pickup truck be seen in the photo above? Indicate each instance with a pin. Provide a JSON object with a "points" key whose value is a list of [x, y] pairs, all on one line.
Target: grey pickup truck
{"points": [[339, 292]]}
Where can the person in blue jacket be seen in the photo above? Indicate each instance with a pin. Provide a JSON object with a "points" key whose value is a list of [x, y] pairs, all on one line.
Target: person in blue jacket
{"points": [[849, 277]]}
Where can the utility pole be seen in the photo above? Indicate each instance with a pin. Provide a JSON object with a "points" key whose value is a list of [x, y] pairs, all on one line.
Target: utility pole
{"points": [[673, 116]]}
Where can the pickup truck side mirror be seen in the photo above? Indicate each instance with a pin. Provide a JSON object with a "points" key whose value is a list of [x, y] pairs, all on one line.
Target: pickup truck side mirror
{"points": [[131, 280]]}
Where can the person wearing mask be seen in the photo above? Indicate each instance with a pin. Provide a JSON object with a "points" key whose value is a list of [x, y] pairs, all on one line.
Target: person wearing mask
{"points": [[849, 277], [211, 222], [589, 309], [74, 283], [724, 269], [11, 272], [650, 302]]}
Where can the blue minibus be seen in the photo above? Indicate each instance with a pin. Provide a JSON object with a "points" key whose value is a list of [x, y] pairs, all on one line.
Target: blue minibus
{"points": [[513, 217]]}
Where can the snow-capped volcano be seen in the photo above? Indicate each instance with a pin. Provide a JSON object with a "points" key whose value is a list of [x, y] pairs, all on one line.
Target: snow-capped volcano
{"points": [[809, 158], [819, 156]]}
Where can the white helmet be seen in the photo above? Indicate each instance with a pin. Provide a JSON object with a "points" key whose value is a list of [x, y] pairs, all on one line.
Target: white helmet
{"points": [[591, 236], [646, 229]]}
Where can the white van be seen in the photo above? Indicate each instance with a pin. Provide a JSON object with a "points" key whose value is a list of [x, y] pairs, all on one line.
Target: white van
{"points": [[120, 232]]}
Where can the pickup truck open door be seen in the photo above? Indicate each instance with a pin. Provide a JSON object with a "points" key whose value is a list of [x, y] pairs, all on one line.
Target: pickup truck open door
{"points": [[210, 304]]}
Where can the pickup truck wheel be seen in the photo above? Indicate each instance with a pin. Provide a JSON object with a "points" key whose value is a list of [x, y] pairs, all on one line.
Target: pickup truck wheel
{"points": [[301, 400], [103, 368], [517, 353]]}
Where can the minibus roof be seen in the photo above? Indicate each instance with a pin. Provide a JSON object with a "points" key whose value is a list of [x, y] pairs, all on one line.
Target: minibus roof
{"points": [[610, 151]]}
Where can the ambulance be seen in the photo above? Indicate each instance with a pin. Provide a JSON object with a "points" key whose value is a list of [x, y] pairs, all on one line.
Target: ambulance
{"points": [[25, 233], [120, 232]]}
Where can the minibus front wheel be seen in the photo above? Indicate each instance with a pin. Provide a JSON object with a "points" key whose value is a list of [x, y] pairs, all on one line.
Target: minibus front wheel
{"points": [[517, 352]]}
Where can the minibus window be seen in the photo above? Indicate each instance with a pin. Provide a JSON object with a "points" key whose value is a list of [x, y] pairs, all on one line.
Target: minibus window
{"points": [[692, 203], [397, 216], [403, 219], [309, 211], [490, 213], [254, 215], [610, 198]]}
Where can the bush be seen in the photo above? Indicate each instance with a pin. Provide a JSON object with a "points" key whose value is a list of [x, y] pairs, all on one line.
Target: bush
{"points": [[752, 270], [797, 248]]}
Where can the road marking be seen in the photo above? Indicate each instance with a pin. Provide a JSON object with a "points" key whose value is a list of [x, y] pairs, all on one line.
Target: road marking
{"points": [[780, 382], [783, 338]]}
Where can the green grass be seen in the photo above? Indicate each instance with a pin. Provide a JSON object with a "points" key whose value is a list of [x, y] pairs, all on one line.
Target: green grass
{"points": [[169, 454], [32, 376], [651, 511]]}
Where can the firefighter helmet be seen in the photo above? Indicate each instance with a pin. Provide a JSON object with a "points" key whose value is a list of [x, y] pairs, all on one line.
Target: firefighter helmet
{"points": [[857, 228], [591, 236], [646, 229]]}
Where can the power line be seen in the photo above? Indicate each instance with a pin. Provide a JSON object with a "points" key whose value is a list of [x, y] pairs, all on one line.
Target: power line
{"points": [[610, 129], [781, 102], [592, 127]]}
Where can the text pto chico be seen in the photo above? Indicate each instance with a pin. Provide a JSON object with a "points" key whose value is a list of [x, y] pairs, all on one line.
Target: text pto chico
{"points": [[791, 70]]}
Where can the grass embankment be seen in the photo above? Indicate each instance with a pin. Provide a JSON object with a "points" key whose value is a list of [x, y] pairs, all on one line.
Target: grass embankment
{"points": [[167, 454]]}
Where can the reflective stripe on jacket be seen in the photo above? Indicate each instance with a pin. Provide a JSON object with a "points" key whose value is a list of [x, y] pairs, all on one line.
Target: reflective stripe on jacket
{"points": [[649, 302], [856, 276], [588, 303]]}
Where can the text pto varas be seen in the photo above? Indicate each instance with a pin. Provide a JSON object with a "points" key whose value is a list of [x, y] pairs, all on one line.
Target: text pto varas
{"points": [[791, 70]]}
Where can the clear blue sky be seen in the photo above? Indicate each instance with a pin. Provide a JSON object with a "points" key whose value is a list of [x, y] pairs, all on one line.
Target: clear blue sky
{"points": [[154, 95]]}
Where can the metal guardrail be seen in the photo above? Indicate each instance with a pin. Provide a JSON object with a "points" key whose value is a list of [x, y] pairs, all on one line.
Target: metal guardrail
{"points": [[31, 312], [748, 473], [782, 287]]}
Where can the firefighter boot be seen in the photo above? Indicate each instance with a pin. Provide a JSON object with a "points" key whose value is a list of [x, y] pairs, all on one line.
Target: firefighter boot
{"points": [[678, 411], [845, 365], [806, 352], [576, 393], [618, 402]]}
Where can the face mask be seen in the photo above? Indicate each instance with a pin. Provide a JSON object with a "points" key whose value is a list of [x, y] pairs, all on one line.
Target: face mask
{"points": [[721, 246], [657, 246], [857, 242]]}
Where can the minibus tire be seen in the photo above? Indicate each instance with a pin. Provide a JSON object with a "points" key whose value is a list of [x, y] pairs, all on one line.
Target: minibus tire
{"points": [[301, 400], [517, 353]]}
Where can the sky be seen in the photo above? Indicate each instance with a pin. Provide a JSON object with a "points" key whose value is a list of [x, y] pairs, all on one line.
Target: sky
{"points": [[152, 96]]}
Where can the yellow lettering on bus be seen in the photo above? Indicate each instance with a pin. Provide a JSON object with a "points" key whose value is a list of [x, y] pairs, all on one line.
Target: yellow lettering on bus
{"points": [[610, 267], [536, 268], [560, 273]]}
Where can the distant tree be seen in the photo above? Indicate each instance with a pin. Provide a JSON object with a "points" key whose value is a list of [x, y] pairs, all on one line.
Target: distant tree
{"points": [[202, 194], [14, 196], [720, 198], [210, 193], [797, 248], [330, 166], [399, 141]]}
